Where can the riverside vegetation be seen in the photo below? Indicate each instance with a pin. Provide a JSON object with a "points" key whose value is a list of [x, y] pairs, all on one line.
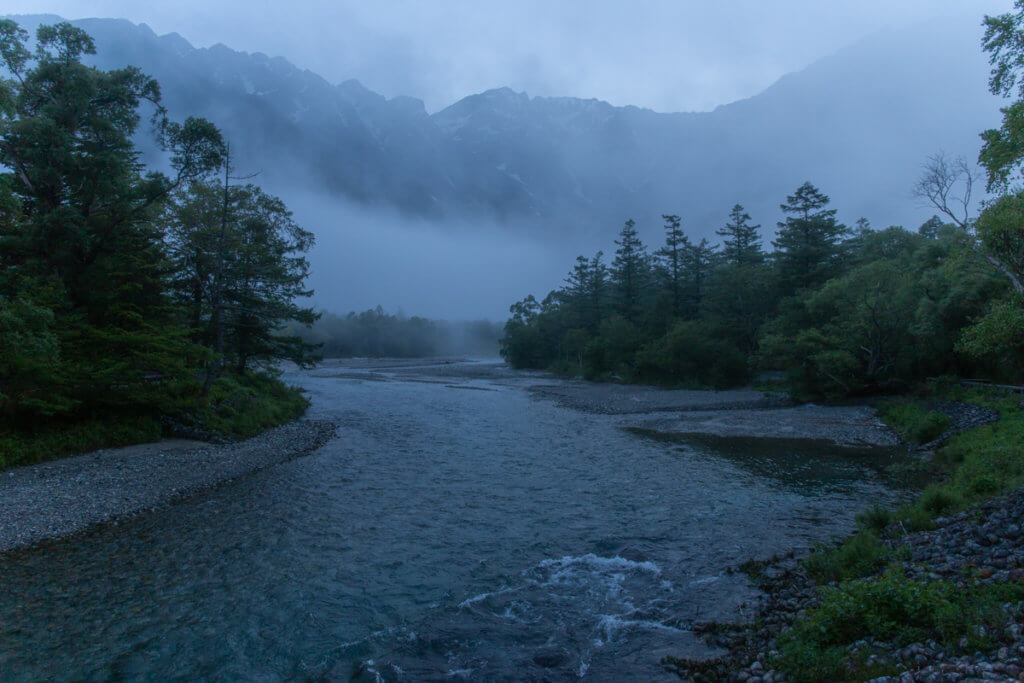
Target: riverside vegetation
{"points": [[133, 302], [935, 589]]}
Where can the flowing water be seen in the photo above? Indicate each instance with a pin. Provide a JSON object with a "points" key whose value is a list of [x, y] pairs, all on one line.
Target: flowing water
{"points": [[459, 527]]}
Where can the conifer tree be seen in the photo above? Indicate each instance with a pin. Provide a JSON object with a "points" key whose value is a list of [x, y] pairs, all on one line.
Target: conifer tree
{"points": [[672, 258], [808, 246], [85, 244], [629, 272], [741, 244], [700, 260]]}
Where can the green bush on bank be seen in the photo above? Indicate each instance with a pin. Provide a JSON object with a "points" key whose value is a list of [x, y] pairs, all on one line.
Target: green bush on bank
{"points": [[242, 406], [895, 609], [913, 422], [861, 555], [238, 407], [975, 465], [58, 438]]}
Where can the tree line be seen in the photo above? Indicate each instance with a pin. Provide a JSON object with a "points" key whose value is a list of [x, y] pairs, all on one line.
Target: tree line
{"points": [[125, 290], [841, 311], [376, 334]]}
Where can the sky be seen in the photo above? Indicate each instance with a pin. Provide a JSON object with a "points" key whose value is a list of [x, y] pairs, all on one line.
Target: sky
{"points": [[666, 55]]}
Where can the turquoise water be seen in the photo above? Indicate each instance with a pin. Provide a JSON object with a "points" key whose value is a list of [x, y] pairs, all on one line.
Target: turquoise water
{"points": [[458, 528]]}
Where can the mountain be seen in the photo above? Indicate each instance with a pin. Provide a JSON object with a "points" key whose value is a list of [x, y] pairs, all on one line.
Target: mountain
{"points": [[858, 124]]}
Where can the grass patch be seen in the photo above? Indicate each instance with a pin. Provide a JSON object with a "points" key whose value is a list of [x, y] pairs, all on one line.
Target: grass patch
{"points": [[58, 438], [914, 423], [976, 465], [895, 609]]}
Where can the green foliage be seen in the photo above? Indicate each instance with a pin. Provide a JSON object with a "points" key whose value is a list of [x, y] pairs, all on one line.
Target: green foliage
{"points": [[688, 354], [238, 268], [614, 348], [101, 318], [808, 250], [741, 241], [84, 234], [241, 406], [872, 313], [875, 519], [34, 444], [1004, 147], [913, 422], [630, 273], [998, 333], [859, 556], [891, 608]]}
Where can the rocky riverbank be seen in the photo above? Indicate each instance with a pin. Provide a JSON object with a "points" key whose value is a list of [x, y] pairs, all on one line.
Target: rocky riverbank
{"points": [[980, 546], [63, 497]]}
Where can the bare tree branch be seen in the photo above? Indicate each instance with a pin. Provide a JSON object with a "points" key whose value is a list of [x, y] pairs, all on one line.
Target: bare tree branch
{"points": [[948, 184]]}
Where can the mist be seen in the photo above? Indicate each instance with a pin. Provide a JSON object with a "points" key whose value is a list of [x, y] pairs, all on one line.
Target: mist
{"points": [[367, 257]]}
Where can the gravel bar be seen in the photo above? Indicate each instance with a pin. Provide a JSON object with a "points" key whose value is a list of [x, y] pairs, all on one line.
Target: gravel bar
{"points": [[854, 426], [54, 499]]}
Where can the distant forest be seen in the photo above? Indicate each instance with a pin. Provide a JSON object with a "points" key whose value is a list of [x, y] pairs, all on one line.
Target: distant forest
{"points": [[841, 311], [376, 334]]}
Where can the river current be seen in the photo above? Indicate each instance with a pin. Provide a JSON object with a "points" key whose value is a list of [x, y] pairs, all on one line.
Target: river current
{"points": [[460, 527]]}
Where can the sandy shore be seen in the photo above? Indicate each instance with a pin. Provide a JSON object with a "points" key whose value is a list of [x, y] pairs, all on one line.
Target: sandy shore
{"points": [[58, 498]]}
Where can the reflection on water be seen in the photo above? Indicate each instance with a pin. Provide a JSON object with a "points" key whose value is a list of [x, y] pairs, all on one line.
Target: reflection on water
{"points": [[447, 533]]}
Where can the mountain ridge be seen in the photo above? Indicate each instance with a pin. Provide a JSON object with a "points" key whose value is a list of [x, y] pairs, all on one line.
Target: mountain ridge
{"points": [[858, 123]]}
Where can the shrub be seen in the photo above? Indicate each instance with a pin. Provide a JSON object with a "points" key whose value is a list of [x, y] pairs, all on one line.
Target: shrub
{"points": [[860, 555], [876, 518], [891, 608], [687, 354], [59, 438], [243, 406], [913, 422]]}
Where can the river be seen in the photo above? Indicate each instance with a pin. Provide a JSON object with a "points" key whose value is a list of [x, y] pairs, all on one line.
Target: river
{"points": [[461, 526]]}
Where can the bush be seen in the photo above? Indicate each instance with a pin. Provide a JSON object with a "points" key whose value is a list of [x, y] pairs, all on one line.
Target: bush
{"points": [[242, 406], [875, 519], [59, 438], [895, 609], [687, 354], [915, 424], [860, 555]]}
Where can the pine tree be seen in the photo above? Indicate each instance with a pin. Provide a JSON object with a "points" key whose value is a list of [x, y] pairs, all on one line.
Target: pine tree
{"points": [[85, 243], [700, 260], [672, 259], [629, 272], [808, 247], [239, 267], [742, 242]]}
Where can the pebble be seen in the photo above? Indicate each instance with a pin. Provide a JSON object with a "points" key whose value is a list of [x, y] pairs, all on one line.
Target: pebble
{"points": [[62, 497]]}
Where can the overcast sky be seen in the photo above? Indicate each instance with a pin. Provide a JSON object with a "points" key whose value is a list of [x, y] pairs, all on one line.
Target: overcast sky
{"points": [[668, 55]]}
